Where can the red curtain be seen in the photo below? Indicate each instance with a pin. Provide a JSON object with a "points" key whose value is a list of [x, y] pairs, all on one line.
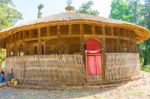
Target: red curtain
{"points": [[94, 58], [94, 65]]}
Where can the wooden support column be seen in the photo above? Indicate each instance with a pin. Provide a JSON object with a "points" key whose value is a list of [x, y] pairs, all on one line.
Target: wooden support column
{"points": [[39, 42], [48, 31], [14, 42], [81, 35], [58, 33], [81, 29], [129, 35], [58, 30], [82, 40], [104, 50], [23, 43], [128, 45], [30, 33], [104, 38], [93, 29], [118, 40], [112, 30], [118, 44], [70, 29], [30, 44]]}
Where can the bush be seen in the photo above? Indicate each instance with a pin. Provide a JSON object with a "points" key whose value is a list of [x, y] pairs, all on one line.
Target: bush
{"points": [[145, 68]]}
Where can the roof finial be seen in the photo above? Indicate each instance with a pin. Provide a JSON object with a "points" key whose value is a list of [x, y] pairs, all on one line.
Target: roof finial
{"points": [[69, 2], [69, 7]]}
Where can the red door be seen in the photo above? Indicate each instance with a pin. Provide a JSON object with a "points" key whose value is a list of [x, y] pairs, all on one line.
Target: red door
{"points": [[93, 57]]}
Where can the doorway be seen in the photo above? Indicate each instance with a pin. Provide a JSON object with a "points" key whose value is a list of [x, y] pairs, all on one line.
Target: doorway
{"points": [[93, 50]]}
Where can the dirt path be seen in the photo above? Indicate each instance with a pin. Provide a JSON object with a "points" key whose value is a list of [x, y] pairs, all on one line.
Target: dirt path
{"points": [[139, 89]]}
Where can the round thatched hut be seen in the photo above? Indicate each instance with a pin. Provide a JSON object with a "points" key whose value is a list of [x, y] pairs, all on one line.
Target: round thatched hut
{"points": [[73, 48]]}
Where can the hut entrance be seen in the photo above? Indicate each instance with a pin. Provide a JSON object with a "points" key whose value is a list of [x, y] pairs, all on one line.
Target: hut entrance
{"points": [[93, 60]]}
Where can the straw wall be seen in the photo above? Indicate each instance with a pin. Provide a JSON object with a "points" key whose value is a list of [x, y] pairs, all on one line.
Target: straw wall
{"points": [[70, 69], [121, 66], [51, 69]]}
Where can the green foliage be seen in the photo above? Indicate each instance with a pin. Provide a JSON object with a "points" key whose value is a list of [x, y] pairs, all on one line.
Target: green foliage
{"points": [[146, 52], [138, 13], [6, 2], [145, 68], [132, 11], [86, 8], [2, 55], [40, 7], [8, 14], [147, 13], [8, 17], [120, 10]]}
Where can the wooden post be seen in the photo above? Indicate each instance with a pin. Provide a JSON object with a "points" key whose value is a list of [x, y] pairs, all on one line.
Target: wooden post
{"points": [[93, 29], [83, 53], [104, 38], [15, 44], [81, 38], [70, 29], [129, 40], [29, 33], [104, 50], [112, 30], [58, 30], [47, 34], [118, 40], [39, 41]]}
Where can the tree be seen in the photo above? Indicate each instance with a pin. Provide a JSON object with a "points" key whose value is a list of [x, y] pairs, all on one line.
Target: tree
{"points": [[135, 8], [147, 52], [120, 10], [8, 17], [86, 8], [2, 56], [8, 14], [133, 11], [147, 13], [147, 25], [40, 7], [7, 2], [138, 13]]}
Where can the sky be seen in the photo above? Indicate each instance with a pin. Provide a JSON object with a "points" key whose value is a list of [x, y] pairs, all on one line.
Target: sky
{"points": [[28, 8]]}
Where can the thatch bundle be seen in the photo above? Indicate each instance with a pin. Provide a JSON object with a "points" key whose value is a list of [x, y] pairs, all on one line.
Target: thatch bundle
{"points": [[52, 69], [70, 69], [121, 66]]}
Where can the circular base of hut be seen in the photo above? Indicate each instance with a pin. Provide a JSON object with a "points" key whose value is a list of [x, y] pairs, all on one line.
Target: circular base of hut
{"points": [[73, 86]]}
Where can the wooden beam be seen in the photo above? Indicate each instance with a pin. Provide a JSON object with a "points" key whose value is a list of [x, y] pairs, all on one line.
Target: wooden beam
{"points": [[70, 29], [58, 30], [118, 40], [104, 38], [112, 30], [39, 42], [93, 29]]}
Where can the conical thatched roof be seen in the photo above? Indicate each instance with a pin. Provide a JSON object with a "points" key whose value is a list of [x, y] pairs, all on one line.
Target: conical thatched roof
{"points": [[69, 16]]}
